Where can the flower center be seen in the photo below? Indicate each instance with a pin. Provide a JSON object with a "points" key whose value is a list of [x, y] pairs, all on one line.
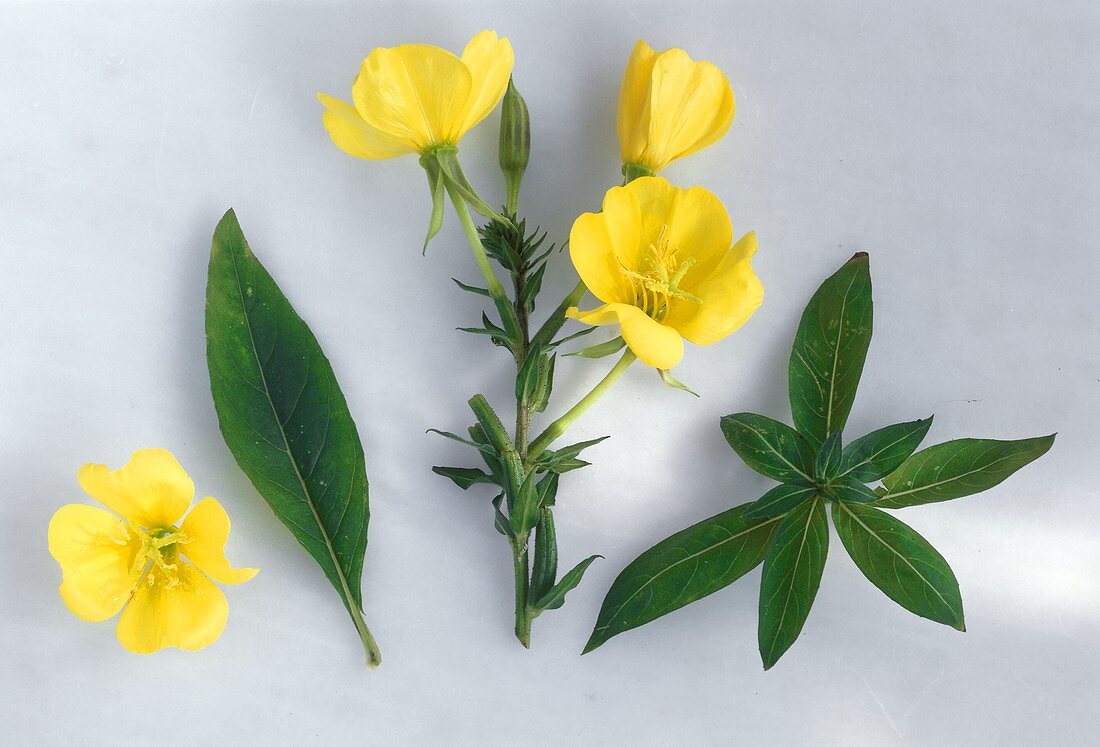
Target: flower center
{"points": [[158, 554], [658, 283]]}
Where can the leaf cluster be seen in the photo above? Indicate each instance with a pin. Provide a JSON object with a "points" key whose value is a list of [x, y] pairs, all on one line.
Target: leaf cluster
{"points": [[786, 529]]}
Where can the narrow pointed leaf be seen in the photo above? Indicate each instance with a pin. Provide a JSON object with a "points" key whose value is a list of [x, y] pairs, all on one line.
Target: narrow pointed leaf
{"points": [[829, 457], [471, 288], [568, 338], [438, 190], [771, 448], [900, 562], [792, 574], [524, 512], [958, 468], [880, 452], [486, 448], [780, 500], [601, 349], [500, 521], [829, 350], [689, 565], [283, 416], [673, 383], [464, 477], [556, 596], [851, 489]]}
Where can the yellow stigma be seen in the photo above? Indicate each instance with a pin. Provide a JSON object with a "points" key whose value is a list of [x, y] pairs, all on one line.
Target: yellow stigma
{"points": [[659, 283], [159, 551]]}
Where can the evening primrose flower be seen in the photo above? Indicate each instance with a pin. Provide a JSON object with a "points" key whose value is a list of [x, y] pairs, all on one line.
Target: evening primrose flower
{"points": [[135, 557], [418, 98], [670, 106], [659, 257]]}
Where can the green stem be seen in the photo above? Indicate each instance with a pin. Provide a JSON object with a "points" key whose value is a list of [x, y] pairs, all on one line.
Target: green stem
{"points": [[496, 290], [521, 567], [559, 426], [557, 319]]}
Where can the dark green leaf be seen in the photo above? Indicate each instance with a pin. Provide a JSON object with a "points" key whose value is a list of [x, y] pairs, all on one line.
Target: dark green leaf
{"points": [[556, 596], [464, 477], [677, 571], [548, 489], [561, 466], [541, 398], [780, 500], [829, 350], [527, 378], [567, 453], [455, 437], [771, 448], [958, 468], [792, 573], [851, 489], [829, 458], [500, 521], [488, 454], [471, 288], [568, 338], [545, 568], [531, 288], [900, 562], [880, 452], [283, 416], [524, 512]]}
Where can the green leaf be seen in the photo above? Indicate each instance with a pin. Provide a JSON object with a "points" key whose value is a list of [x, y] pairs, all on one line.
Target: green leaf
{"points": [[568, 338], [601, 349], [900, 562], [771, 448], [464, 477], [500, 521], [958, 468], [471, 288], [483, 447], [531, 288], [524, 512], [851, 489], [527, 378], [555, 598], [567, 453], [681, 569], [673, 383], [880, 452], [438, 190], [829, 457], [780, 500], [284, 418], [545, 568], [829, 349], [548, 489], [541, 397], [792, 573]]}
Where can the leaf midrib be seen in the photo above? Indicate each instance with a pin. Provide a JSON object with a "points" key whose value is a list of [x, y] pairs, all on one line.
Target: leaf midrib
{"points": [[891, 494], [836, 357], [775, 451], [345, 587], [790, 588]]}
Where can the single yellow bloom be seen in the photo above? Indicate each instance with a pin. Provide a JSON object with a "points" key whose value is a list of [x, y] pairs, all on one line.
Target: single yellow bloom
{"points": [[107, 561], [670, 106], [416, 97], [659, 257]]}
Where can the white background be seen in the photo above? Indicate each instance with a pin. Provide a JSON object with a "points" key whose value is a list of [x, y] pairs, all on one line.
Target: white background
{"points": [[956, 142]]}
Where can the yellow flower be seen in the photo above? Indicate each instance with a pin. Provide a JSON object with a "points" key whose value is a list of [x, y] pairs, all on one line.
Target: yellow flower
{"points": [[137, 561], [659, 257], [416, 97], [670, 106]]}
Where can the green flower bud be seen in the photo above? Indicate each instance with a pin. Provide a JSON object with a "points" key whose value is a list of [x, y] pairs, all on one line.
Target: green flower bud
{"points": [[515, 142]]}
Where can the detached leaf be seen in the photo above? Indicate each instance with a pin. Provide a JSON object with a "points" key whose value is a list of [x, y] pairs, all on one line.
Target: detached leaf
{"points": [[900, 562], [464, 477], [556, 596], [958, 468], [829, 350], [880, 452], [792, 574], [681, 569], [284, 418], [771, 448]]}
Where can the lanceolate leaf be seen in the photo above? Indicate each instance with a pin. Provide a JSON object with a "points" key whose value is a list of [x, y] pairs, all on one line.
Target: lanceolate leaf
{"points": [[880, 452], [829, 456], [465, 477], [771, 448], [792, 574], [677, 571], [900, 562], [958, 468], [555, 598], [851, 489], [829, 350], [284, 418]]}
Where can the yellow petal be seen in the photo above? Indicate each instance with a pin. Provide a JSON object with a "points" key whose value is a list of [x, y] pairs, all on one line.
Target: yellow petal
{"points": [[190, 614], [655, 344], [415, 93], [730, 295], [489, 61], [592, 251], [95, 552], [632, 122], [205, 531], [151, 490], [693, 221], [671, 106], [354, 136]]}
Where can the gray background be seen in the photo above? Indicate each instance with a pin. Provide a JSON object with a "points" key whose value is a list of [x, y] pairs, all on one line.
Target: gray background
{"points": [[957, 142]]}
